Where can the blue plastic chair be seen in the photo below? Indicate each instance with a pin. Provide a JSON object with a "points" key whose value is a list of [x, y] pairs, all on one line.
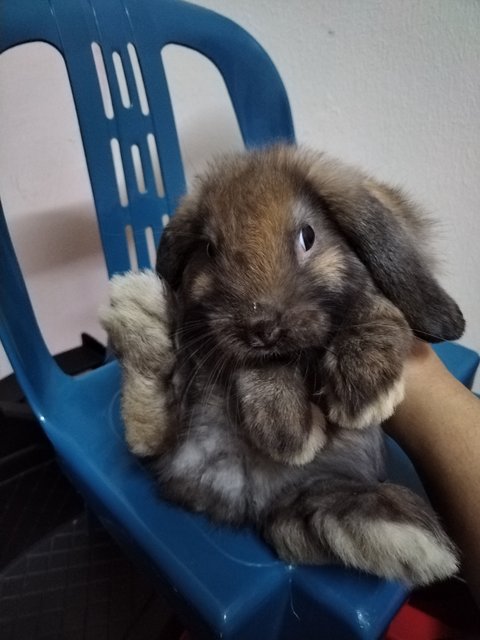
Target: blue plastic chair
{"points": [[222, 583]]}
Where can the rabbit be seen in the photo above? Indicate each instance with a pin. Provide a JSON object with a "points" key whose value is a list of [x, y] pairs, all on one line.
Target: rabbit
{"points": [[288, 290]]}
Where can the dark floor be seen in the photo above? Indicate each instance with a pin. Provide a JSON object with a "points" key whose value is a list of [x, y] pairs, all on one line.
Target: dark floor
{"points": [[76, 584], [61, 574]]}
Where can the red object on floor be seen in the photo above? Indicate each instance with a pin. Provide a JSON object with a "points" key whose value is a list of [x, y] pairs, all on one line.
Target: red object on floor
{"points": [[413, 624], [441, 612]]}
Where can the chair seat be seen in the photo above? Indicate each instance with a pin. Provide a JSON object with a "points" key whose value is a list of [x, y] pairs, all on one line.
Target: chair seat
{"points": [[460, 361], [221, 580]]}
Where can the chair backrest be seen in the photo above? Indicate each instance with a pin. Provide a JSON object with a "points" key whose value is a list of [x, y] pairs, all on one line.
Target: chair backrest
{"points": [[129, 115]]}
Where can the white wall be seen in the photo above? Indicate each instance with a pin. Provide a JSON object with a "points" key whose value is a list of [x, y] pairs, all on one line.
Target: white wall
{"points": [[393, 86]]}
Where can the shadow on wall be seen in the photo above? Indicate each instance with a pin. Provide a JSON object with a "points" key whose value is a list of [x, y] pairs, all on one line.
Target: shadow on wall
{"points": [[50, 239], [61, 259]]}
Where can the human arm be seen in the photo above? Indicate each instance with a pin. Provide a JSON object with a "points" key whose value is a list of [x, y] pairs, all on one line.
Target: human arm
{"points": [[438, 425]]}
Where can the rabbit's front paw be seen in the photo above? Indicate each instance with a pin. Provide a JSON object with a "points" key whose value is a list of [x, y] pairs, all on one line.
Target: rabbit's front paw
{"points": [[363, 368], [356, 413], [277, 417], [137, 321]]}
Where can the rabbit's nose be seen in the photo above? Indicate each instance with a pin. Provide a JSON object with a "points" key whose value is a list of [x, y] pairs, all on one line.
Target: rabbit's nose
{"points": [[264, 333]]}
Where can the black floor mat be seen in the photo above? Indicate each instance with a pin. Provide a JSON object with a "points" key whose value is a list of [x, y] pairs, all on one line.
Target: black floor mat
{"points": [[76, 584], [61, 574], [62, 577], [33, 502]]}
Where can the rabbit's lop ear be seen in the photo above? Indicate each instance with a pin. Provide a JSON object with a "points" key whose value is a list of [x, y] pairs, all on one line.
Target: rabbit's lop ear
{"points": [[389, 235], [170, 259], [176, 243]]}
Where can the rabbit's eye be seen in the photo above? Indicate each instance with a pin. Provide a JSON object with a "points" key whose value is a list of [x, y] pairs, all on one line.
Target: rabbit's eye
{"points": [[306, 238], [211, 250]]}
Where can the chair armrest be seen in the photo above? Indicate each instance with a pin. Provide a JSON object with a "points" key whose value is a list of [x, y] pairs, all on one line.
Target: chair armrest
{"points": [[35, 368]]}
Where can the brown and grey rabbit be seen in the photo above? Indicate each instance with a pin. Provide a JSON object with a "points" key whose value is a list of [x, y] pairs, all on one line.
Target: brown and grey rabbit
{"points": [[259, 366]]}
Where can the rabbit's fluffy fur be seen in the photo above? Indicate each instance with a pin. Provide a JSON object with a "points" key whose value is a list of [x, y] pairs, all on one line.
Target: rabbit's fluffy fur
{"points": [[259, 365]]}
